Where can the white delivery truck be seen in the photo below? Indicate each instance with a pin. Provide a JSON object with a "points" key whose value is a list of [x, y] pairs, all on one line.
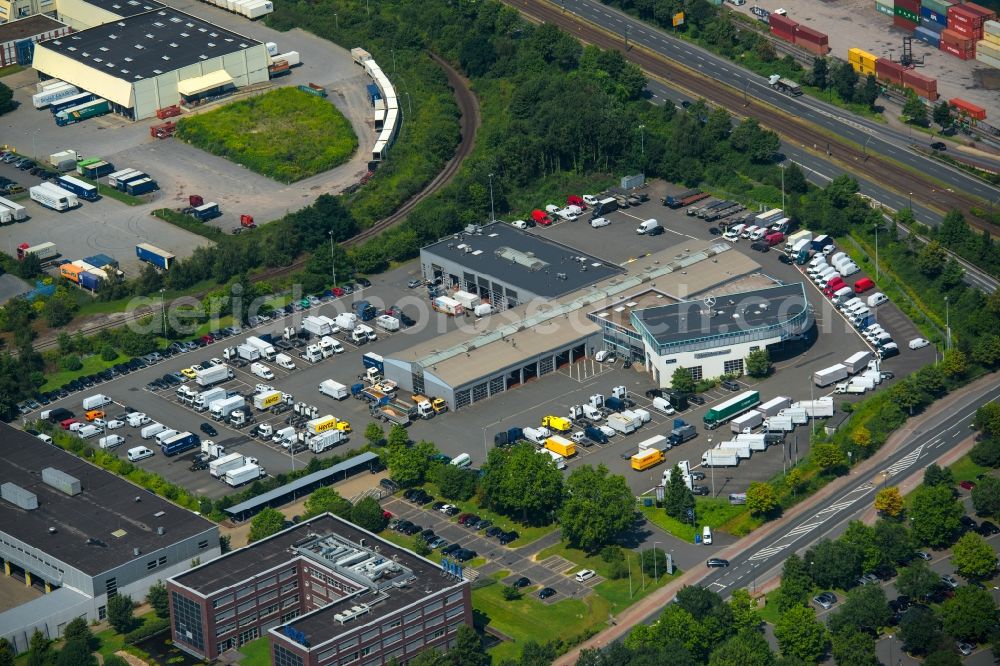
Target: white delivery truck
{"points": [[746, 422], [820, 408], [774, 405], [213, 375], [557, 459], [221, 409], [330, 346], [387, 322], [719, 458], [742, 449], [798, 415], [326, 440], [245, 474], [646, 226], [248, 352], [623, 424], [53, 197], [261, 370], [285, 361], [659, 443], [220, 466], [206, 398], [537, 435], [779, 423], [333, 389], [151, 430], [827, 376], [468, 300], [347, 321], [96, 401], [857, 362], [757, 441], [266, 349], [317, 326]]}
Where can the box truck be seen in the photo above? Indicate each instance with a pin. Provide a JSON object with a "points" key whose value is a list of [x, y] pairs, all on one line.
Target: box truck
{"points": [[448, 306], [322, 424], [820, 408], [152, 430], [220, 466], [206, 398], [213, 375], [681, 432], [857, 362], [746, 422], [246, 474], [266, 399], [646, 458], [742, 449], [469, 301], [623, 424], [317, 326], [221, 409], [757, 441], [827, 376], [265, 348], [326, 440], [719, 458], [96, 401], [17, 211], [774, 405], [561, 445], [779, 423]]}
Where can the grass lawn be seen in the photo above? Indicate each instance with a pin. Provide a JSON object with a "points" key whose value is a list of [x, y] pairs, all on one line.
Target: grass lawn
{"points": [[10, 69], [528, 533], [256, 653], [716, 512], [528, 619], [91, 364], [965, 470], [285, 134]]}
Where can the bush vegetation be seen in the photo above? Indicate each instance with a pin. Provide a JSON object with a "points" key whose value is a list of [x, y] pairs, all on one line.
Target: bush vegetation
{"points": [[285, 134]]}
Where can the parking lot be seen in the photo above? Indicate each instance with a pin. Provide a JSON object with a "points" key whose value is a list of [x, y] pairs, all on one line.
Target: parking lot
{"points": [[114, 228]]}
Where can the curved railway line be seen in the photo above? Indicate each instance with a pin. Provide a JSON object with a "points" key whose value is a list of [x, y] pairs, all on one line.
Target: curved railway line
{"points": [[675, 75]]}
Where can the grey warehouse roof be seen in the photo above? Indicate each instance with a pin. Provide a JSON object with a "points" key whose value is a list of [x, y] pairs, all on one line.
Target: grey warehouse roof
{"points": [[28, 27], [149, 44], [525, 261], [95, 530], [126, 7], [728, 313]]}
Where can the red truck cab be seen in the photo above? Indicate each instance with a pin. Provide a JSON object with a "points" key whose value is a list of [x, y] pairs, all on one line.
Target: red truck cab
{"points": [[774, 238], [540, 217]]}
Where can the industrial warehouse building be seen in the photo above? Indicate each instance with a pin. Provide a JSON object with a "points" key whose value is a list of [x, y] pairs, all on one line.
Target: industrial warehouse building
{"points": [[700, 305], [78, 535], [18, 38], [325, 592], [142, 56]]}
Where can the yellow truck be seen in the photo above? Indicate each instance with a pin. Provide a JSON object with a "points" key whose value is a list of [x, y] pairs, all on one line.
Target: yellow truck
{"points": [[322, 424], [561, 445], [428, 407], [557, 423], [646, 459], [343, 426]]}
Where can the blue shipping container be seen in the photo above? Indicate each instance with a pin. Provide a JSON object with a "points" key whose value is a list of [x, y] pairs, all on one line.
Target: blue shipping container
{"points": [[122, 183], [154, 255], [933, 26], [180, 443], [373, 93], [143, 186], [940, 19], [101, 260], [928, 36], [90, 281]]}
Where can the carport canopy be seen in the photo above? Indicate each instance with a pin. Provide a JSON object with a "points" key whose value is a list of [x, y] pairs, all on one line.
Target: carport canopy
{"points": [[200, 84]]}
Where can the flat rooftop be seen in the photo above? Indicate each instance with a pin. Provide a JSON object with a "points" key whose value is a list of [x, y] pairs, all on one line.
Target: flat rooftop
{"points": [[28, 27], [620, 312], [725, 313], [149, 44], [126, 8], [527, 262], [313, 540], [95, 530]]}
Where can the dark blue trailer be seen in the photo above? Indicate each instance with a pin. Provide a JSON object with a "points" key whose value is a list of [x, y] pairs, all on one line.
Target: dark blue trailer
{"points": [[122, 182], [141, 186], [372, 360], [78, 187], [89, 281], [185, 441], [365, 311], [373, 93], [154, 255], [101, 260]]}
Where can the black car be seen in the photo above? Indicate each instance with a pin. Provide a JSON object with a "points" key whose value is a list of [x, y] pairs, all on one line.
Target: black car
{"points": [[522, 582], [389, 485], [546, 592], [87, 381], [968, 523], [506, 537], [208, 429], [364, 282], [410, 493], [403, 525], [696, 399], [655, 231], [75, 385], [986, 528], [715, 231], [451, 511], [450, 548], [464, 554], [716, 562], [700, 490], [483, 524], [493, 532], [939, 145], [428, 534], [198, 464], [760, 247], [412, 529], [785, 259], [154, 385]]}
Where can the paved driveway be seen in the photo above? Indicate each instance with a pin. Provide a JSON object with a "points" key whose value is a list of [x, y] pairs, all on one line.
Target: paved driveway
{"points": [[547, 573]]}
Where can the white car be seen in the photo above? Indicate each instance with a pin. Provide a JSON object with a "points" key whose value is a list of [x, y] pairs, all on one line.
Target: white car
{"points": [[568, 214], [519, 224], [590, 199], [600, 222], [605, 356], [918, 343], [552, 209], [607, 430], [828, 250]]}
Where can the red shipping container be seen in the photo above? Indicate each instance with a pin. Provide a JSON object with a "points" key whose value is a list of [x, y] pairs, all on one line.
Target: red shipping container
{"points": [[967, 31], [968, 108], [958, 14], [818, 49], [784, 34], [903, 23], [782, 23], [950, 48], [887, 70], [810, 35], [955, 38], [987, 14], [920, 81], [910, 5]]}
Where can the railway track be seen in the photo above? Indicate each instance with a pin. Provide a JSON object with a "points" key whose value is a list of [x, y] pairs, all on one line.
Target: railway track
{"points": [[675, 75]]}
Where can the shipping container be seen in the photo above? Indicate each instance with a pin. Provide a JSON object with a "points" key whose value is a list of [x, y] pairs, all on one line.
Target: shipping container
{"points": [[904, 23], [931, 26], [70, 272], [888, 70], [937, 6], [987, 49], [115, 175], [121, 183], [928, 36], [884, 9], [78, 187], [988, 60], [955, 38], [154, 255], [992, 28], [812, 40], [95, 169], [936, 17], [912, 6], [89, 280], [17, 211], [141, 186], [81, 112]]}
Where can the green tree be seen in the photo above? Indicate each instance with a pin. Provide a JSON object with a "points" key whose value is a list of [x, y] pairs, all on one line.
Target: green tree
{"points": [[517, 481], [862, 538], [868, 92], [845, 81], [917, 580], [865, 609], [108, 353], [889, 502], [158, 600], [942, 114], [747, 648], [758, 363], [914, 110], [971, 614], [893, 542], [986, 452], [746, 616], [6, 653], [678, 500], [943, 657], [796, 583], [682, 381], [820, 71], [31, 266], [420, 546], [794, 479], [120, 613], [598, 507], [269, 521], [468, 650], [934, 516], [919, 630], [938, 476], [757, 143], [800, 634], [408, 465], [374, 434], [986, 497], [78, 630], [76, 653], [326, 500], [367, 514], [827, 456], [973, 557], [931, 259], [987, 419], [851, 647], [761, 498], [455, 483], [834, 563], [7, 102], [398, 437]]}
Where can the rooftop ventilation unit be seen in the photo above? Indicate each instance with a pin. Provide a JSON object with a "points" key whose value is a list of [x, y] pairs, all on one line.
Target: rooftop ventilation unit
{"points": [[526, 259], [18, 496], [61, 481]]}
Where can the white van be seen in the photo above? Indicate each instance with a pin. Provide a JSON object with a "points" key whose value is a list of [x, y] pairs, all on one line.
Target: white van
{"points": [[261, 370], [842, 294], [877, 299], [825, 282], [749, 231], [663, 405], [849, 303], [164, 435], [151, 430], [818, 268], [139, 453], [734, 232], [849, 269], [45, 438], [111, 441], [647, 226], [860, 314], [827, 273], [584, 575], [463, 460], [838, 256], [706, 535]]}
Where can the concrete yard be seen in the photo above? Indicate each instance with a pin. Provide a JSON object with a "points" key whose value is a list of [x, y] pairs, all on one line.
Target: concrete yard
{"points": [[114, 228], [471, 430]]}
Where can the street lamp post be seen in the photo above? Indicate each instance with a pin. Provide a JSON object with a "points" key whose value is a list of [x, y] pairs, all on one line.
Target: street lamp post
{"points": [[947, 323], [626, 36], [909, 200], [493, 216], [782, 166], [163, 315], [393, 60], [876, 249], [409, 103], [712, 468], [642, 139], [746, 94], [656, 572], [333, 262]]}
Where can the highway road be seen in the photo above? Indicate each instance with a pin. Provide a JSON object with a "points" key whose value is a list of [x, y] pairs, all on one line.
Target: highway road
{"points": [[877, 138], [912, 456], [820, 171]]}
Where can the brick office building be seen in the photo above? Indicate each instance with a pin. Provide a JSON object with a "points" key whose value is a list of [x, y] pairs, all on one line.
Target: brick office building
{"points": [[325, 592]]}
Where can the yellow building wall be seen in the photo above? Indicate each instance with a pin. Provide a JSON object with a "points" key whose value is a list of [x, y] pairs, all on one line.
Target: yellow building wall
{"points": [[82, 76], [82, 15]]}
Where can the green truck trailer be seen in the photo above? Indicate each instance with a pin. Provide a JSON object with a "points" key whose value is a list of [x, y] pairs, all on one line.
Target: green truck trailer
{"points": [[735, 406]]}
